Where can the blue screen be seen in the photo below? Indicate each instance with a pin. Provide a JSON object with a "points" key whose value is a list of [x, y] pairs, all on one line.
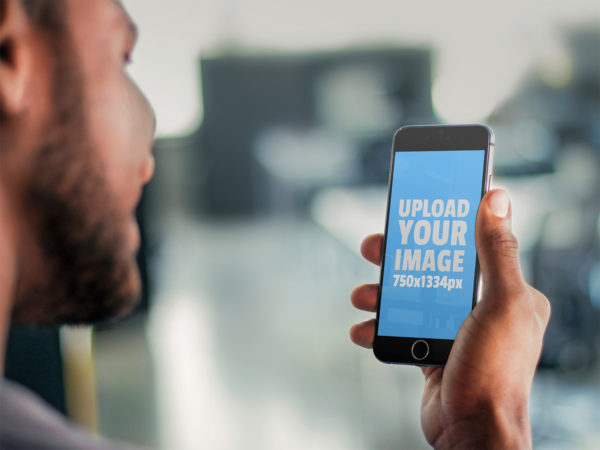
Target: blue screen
{"points": [[430, 257]]}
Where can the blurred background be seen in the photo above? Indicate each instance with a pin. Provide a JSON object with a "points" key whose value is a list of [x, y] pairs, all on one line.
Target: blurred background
{"points": [[274, 133]]}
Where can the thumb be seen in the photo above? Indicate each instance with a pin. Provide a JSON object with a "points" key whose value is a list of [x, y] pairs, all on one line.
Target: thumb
{"points": [[497, 247]]}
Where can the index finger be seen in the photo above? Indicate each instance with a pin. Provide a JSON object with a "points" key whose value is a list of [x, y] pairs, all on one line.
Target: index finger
{"points": [[371, 248]]}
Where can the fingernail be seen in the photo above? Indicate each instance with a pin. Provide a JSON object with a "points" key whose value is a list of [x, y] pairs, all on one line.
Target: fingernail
{"points": [[499, 204]]}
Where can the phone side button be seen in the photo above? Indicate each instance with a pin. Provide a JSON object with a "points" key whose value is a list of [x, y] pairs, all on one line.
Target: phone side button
{"points": [[419, 349]]}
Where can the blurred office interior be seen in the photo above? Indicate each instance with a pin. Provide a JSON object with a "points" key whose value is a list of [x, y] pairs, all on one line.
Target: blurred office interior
{"points": [[274, 131]]}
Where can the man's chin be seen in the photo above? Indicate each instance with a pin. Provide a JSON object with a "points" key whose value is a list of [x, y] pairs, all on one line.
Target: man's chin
{"points": [[88, 310], [131, 296], [123, 304]]}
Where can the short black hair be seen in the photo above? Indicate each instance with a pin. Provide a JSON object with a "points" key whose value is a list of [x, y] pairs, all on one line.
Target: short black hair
{"points": [[47, 14]]}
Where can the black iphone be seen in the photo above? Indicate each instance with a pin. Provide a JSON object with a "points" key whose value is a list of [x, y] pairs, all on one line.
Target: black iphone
{"points": [[429, 270]]}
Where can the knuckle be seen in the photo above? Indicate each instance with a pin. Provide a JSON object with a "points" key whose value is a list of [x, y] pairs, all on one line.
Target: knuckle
{"points": [[526, 306], [537, 306], [543, 307], [503, 242]]}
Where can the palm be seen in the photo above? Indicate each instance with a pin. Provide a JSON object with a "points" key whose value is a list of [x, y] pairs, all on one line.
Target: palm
{"points": [[451, 393]]}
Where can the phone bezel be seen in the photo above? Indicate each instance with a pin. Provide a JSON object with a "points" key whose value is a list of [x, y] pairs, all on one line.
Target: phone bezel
{"points": [[397, 350]]}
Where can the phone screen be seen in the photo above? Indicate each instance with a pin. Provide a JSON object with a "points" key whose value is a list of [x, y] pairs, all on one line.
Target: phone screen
{"points": [[429, 269]]}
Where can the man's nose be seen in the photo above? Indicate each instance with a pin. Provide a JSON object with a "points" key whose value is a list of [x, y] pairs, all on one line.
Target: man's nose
{"points": [[149, 164]]}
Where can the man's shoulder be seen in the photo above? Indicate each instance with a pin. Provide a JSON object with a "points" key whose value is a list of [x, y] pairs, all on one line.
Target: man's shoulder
{"points": [[26, 422]]}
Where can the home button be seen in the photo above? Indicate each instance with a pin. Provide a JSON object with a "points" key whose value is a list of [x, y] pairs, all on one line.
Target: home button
{"points": [[419, 350]]}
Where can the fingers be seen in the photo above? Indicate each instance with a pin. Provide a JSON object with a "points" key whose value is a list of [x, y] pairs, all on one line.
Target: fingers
{"points": [[371, 248], [364, 297], [363, 333], [497, 247], [429, 371]]}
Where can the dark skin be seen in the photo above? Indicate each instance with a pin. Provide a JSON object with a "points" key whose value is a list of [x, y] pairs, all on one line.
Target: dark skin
{"points": [[76, 136], [480, 398]]}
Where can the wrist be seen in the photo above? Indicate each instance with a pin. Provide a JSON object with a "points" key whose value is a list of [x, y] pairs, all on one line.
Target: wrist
{"points": [[492, 426], [509, 427]]}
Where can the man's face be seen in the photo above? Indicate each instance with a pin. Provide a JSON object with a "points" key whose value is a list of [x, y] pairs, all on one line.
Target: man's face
{"points": [[87, 171]]}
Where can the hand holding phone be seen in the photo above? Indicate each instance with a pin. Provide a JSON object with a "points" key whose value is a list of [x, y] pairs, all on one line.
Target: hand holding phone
{"points": [[429, 273], [480, 398]]}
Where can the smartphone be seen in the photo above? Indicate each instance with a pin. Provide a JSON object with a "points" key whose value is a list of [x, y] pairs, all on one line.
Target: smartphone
{"points": [[429, 269]]}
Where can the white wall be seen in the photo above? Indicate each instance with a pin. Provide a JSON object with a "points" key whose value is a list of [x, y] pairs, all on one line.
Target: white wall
{"points": [[483, 48]]}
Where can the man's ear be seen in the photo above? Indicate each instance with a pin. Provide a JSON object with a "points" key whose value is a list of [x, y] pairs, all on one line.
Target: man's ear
{"points": [[15, 57]]}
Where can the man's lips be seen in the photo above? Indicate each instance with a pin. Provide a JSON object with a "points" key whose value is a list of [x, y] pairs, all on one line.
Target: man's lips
{"points": [[133, 233]]}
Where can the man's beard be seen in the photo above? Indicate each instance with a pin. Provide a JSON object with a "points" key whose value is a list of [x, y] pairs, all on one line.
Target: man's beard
{"points": [[87, 274]]}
